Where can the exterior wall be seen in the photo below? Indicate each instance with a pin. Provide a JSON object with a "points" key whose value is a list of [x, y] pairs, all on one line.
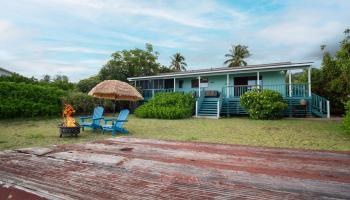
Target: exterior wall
{"points": [[219, 81]]}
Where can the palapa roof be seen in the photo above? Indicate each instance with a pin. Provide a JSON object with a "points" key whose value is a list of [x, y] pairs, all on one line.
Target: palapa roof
{"points": [[116, 90]]}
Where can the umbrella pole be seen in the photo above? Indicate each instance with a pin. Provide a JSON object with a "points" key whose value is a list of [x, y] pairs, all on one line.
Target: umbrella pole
{"points": [[114, 106]]}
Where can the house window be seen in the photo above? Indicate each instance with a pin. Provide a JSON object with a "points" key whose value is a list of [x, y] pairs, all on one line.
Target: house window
{"points": [[248, 80], [158, 84], [181, 82], [145, 84], [194, 83], [204, 83]]}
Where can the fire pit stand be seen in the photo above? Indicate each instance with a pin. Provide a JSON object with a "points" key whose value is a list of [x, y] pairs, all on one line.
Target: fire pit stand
{"points": [[72, 131]]}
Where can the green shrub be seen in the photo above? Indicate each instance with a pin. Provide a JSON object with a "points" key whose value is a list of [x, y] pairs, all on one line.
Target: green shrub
{"points": [[266, 104], [346, 120], [167, 106], [28, 100], [84, 104]]}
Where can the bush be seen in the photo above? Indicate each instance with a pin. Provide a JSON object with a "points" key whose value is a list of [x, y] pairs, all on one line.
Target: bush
{"points": [[346, 120], [84, 104], [28, 100], [266, 104], [167, 106]]}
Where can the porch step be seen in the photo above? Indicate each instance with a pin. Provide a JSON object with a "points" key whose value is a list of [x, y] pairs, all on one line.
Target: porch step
{"points": [[208, 108]]}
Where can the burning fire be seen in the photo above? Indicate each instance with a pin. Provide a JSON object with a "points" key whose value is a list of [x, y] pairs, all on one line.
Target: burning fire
{"points": [[69, 121]]}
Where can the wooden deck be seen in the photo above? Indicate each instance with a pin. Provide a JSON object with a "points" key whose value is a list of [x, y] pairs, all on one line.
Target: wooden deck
{"points": [[130, 168]]}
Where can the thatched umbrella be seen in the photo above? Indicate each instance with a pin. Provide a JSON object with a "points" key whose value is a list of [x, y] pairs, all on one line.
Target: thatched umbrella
{"points": [[115, 90]]}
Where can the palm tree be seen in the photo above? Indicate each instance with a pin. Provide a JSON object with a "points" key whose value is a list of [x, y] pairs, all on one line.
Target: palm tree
{"points": [[178, 62], [237, 55]]}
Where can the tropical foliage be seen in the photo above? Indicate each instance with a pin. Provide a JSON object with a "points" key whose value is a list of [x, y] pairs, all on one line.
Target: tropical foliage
{"points": [[266, 104], [237, 55], [129, 63], [346, 120], [124, 64], [167, 106], [178, 62], [85, 85], [28, 100], [59, 81], [332, 80]]}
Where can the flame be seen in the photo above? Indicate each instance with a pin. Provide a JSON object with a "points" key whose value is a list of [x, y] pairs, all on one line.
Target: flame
{"points": [[69, 121]]}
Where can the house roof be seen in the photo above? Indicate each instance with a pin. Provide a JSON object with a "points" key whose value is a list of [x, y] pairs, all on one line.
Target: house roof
{"points": [[5, 70], [229, 70]]}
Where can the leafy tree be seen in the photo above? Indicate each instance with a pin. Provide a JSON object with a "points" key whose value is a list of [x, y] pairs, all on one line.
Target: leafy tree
{"points": [[130, 63], [17, 78], [85, 85], [237, 55], [332, 80], [46, 78], [178, 62], [336, 76], [62, 82]]}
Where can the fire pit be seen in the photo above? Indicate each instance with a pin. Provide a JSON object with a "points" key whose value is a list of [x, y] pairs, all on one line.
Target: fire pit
{"points": [[69, 126]]}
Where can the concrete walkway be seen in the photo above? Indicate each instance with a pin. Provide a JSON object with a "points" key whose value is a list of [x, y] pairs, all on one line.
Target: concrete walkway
{"points": [[131, 168]]}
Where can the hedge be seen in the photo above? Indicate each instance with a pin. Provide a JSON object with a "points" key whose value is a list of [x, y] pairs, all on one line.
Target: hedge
{"points": [[346, 120], [28, 100], [167, 106], [266, 104], [84, 104]]}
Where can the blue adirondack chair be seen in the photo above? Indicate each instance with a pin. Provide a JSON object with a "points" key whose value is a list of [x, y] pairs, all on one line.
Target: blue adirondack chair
{"points": [[117, 123], [96, 118]]}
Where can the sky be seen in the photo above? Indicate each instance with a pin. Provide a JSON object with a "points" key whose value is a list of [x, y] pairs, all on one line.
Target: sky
{"points": [[76, 37]]}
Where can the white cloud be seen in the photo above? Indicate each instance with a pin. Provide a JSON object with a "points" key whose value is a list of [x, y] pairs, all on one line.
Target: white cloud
{"points": [[68, 36], [79, 50]]}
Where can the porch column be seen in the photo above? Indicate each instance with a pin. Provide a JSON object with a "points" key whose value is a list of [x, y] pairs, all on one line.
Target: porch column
{"points": [[309, 80], [174, 84], [290, 83], [257, 79], [227, 84], [199, 86], [328, 110]]}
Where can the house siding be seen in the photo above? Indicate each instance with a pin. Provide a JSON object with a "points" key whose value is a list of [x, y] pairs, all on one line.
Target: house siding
{"points": [[219, 81]]}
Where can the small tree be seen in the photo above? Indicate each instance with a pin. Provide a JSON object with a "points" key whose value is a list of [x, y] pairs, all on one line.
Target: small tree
{"points": [[266, 104], [130, 63]]}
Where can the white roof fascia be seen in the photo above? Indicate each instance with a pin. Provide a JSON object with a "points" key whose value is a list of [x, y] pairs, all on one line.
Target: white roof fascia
{"points": [[218, 72]]}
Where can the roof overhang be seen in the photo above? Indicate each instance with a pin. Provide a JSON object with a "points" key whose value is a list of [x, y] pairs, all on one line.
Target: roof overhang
{"points": [[213, 72]]}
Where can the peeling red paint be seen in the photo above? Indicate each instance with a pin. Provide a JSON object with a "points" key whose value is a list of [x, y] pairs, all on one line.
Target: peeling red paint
{"points": [[131, 168]]}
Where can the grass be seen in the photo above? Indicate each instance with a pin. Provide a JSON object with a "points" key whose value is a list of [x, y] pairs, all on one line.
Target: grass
{"points": [[19, 133], [290, 133]]}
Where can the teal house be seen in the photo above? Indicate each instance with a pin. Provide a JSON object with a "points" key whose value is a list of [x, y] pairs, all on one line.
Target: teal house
{"points": [[218, 90]]}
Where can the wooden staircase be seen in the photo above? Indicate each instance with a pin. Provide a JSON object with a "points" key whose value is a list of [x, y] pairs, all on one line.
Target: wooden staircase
{"points": [[208, 108]]}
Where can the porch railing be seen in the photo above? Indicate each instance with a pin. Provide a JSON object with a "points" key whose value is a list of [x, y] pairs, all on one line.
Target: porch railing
{"points": [[286, 90], [199, 101], [320, 106], [149, 93]]}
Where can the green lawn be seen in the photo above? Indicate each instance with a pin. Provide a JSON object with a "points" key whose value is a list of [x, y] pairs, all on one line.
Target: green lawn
{"points": [[294, 133]]}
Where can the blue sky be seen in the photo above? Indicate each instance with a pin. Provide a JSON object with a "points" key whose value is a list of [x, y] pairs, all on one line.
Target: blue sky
{"points": [[76, 37]]}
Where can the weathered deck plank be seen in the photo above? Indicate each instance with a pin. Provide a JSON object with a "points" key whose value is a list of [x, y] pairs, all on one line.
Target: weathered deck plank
{"points": [[131, 168]]}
